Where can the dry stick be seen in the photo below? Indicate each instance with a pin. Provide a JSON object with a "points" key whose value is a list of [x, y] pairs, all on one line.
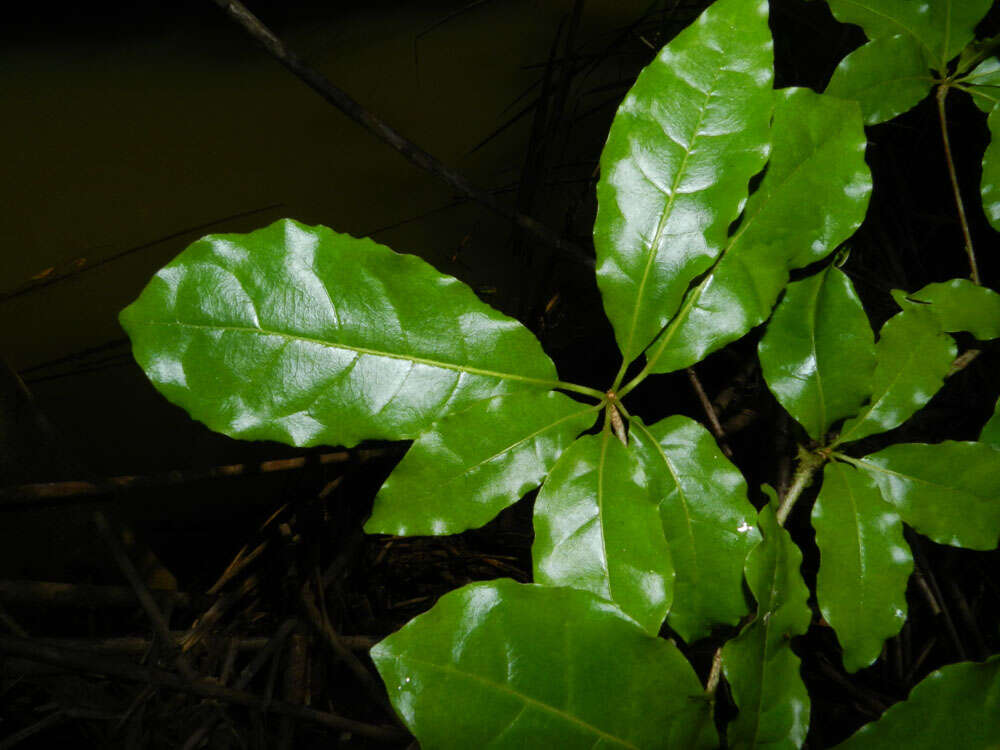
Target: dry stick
{"points": [[338, 98], [51, 594], [713, 418], [65, 658], [160, 626], [59, 492], [942, 92], [251, 670], [928, 586], [344, 654]]}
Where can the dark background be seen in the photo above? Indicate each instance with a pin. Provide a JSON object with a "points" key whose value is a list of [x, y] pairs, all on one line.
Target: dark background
{"points": [[134, 128]]}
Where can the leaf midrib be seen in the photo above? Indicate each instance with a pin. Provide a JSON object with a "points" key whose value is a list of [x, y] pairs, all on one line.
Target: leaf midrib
{"points": [[525, 698], [357, 349]]}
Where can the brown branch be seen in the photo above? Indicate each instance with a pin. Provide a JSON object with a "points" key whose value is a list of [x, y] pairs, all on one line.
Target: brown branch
{"points": [[101, 665], [138, 645], [375, 125], [51, 594], [49, 493], [713, 418], [942, 92]]}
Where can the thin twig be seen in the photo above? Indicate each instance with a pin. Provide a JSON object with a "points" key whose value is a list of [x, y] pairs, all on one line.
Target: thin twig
{"points": [[375, 125], [51, 594], [942, 93], [160, 625], [28, 649], [713, 418], [49, 493]]}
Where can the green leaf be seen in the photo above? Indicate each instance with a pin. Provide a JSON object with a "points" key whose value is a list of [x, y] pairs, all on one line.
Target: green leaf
{"points": [[818, 353], [984, 84], [960, 305], [991, 430], [949, 491], [306, 336], [503, 665], [685, 141], [707, 520], [989, 186], [942, 27], [864, 564], [818, 151], [471, 465], [886, 77], [759, 663], [597, 528], [912, 357], [955, 706]]}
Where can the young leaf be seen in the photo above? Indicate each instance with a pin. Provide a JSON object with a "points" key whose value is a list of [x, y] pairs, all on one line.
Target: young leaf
{"points": [[707, 520], [989, 186], [818, 353], [948, 491], [503, 665], [886, 77], [469, 466], [685, 141], [597, 528], [864, 564], [984, 84], [912, 357], [759, 663], [812, 197], [941, 27], [956, 706], [306, 336], [991, 430], [960, 305]]}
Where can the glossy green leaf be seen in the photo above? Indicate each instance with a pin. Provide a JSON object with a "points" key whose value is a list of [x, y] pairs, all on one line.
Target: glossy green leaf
{"points": [[818, 353], [864, 563], [685, 141], [991, 430], [707, 520], [818, 151], [306, 336], [469, 466], [505, 665], [959, 305], [597, 528], [762, 669], [886, 77], [956, 706], [984, 84], [912, 357], [949, 491], [989, 186], [942, 27]]}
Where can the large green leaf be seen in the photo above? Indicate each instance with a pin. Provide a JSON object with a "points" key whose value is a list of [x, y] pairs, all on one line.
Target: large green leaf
{"points": [[469, 466], [990, 183], [956, 706], [959, 305], [912, 357], [886, 77], [984, 84], [707, 520], [597, 528], [306, 336], [685, 141], [818, 353], [503, 665], [991, 430], [864, 564], [949, 491], [942, 27], [759, 663], [818, 151]]}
